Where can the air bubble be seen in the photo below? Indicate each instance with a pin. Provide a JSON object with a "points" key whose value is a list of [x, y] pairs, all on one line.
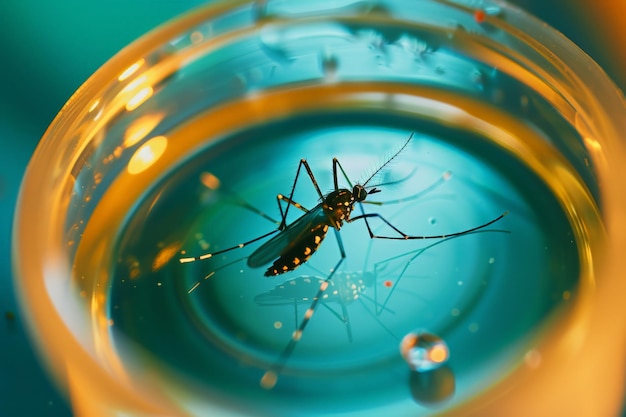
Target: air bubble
{"points": [[424, 351], [432, 220]]}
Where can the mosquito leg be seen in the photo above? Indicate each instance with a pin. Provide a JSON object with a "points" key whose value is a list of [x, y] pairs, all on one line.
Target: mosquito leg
{"points": [[344, 318], [333, 312], [244, 204], [375, 317], [210, 274], [305, 164], [271, 375], [289, 201], [404, 236], [295, 312], [395, 285], [343, 172], [375, 302], [212, 254], [414, 255]]}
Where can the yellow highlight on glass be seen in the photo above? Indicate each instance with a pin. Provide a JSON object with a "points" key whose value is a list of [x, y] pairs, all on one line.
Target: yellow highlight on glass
{"points": [[141, 128], [138, 99], [147, 155], [131, 70]]}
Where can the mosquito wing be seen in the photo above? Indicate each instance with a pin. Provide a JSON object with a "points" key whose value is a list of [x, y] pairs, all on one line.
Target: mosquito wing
{"points": [[288, 238]]}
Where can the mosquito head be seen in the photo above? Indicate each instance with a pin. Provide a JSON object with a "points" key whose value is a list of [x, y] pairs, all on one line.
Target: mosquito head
{"points": [[359, 193]]}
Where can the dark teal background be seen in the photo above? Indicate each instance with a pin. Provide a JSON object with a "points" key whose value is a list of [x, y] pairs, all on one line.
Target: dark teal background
{"points": [[49, 48]]}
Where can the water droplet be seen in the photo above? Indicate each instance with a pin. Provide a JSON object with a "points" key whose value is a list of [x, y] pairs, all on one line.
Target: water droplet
{"points": [[432, 220], [424, 351]]}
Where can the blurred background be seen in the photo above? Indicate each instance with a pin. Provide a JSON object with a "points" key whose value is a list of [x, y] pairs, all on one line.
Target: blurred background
{"points": [[50, 48]]}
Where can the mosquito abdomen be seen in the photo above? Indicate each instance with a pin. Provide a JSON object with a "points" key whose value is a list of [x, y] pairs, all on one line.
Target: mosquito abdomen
{"points": [[299, 252]]}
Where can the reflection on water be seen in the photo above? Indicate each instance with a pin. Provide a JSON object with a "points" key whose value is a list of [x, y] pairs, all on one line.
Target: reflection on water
{"points": [[432, 388]]}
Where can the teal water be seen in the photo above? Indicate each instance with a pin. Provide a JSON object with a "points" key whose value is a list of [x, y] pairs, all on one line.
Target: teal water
{"points": [[484, 293], [216, 334]]}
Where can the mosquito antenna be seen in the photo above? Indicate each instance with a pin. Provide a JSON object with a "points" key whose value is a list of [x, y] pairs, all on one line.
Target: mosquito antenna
{"points": [[390, 159], [395, 182]]}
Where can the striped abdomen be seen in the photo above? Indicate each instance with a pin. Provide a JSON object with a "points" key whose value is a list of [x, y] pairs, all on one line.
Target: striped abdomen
{"points": [[299, 251]]}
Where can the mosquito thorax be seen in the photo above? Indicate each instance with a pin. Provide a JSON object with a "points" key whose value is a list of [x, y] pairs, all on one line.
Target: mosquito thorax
{"points": [[338, 205]]}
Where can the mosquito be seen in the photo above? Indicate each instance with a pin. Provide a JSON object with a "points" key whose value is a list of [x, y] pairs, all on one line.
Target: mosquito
{"points": [[293, 244]]}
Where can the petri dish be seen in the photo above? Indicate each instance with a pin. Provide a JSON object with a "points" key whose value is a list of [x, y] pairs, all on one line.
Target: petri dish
{"points": [[177, 256]]}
